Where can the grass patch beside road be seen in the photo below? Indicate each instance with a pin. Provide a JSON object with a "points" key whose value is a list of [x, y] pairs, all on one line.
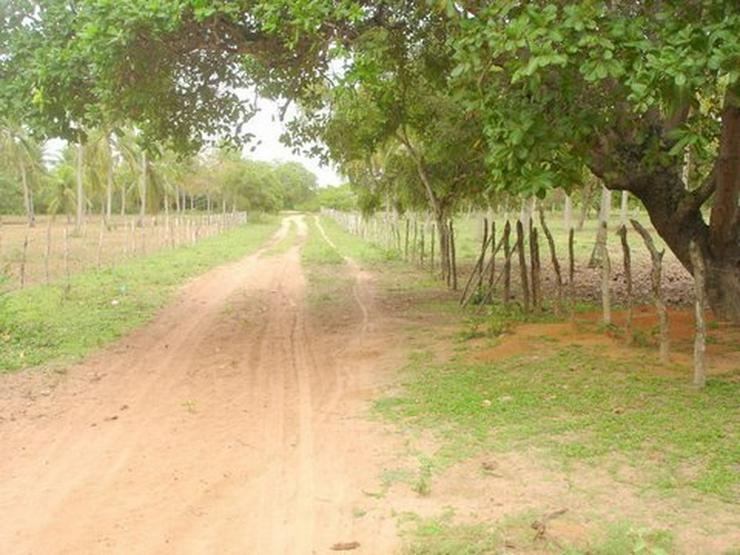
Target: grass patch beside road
{"points": [[443, 536], [64, 322], [353, 246], [580, 406]]}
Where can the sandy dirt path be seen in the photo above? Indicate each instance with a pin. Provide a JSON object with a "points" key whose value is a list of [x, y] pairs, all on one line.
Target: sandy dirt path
{"points": [[232, 423]]}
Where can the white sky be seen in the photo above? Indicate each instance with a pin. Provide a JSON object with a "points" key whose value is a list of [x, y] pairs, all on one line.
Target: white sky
{"points": [[267, 127]]}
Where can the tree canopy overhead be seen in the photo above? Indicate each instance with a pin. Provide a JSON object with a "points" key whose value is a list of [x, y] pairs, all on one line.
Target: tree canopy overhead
{"points": [[453, 99]]}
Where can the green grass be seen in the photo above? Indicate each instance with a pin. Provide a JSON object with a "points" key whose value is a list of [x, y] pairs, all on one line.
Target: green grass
{"points": [[316, 250], [63, 322], [330, 286], [285, 243], [442, 536], [580, 406], [353, 246]]}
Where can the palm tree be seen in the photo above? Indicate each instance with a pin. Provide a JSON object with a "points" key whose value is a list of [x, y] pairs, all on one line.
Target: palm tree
{"points": [[101, 168], [62, 199], [20, 151], [136, 157]]}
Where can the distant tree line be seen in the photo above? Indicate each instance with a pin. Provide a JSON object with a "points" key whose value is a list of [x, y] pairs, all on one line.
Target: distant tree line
{"points": [[115, 173]]}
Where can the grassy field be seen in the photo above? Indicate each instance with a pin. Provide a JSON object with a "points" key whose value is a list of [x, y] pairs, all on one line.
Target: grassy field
{"points": [[598, 414], [469, 233], [94, 245], [578, 406], [677, 282], [63, 321]]}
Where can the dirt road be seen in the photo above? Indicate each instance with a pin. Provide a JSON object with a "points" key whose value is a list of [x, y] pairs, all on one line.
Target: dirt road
{"points": [[232, 423]]}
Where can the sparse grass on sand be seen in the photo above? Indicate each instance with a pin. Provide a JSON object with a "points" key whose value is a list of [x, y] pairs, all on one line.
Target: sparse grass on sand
{"points": [[64, 321], [580, 406]]}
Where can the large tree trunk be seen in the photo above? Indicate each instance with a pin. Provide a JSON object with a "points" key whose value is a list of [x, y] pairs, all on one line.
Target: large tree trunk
{"points": [[675, 212], [665, 200], [437, 207]]}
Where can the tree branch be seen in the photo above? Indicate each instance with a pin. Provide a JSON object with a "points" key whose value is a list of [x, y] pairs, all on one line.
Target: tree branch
{"points": [[695, 199]]}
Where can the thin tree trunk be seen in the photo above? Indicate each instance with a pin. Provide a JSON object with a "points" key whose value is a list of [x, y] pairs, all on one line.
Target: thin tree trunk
{"points": [[526, 212], [534, 258], [47, 251], [406, 241], [485, 298], [622, 231], [109, 185], [27, 196], [100, 241], [80, 186], [624, 209], [24, 256], [606, 196], [453, 261], [606, 271], [142, 189], [655, 280], [522, 265], [177, 200], [568, 212], [493, 252], [66, 260], [507, 263], [414, 241], [431, 248], [476, 273], [554, 259], [484, 248], [700, 335], [571, 261], [585, 204]]}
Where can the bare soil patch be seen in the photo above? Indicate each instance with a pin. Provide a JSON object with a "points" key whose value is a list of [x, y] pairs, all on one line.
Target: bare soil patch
{"points": [[233, 423]]}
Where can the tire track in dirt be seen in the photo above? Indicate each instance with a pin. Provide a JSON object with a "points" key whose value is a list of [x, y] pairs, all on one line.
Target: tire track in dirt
{"points": [[360, 277], [230, 424]]}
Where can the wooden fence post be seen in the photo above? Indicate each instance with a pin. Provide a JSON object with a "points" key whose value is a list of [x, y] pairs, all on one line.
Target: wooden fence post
{"points": [[522, 265], [484, 248], [507, 263], [493, 253], [571, 261], [655, 279], [554, 259], [534, 258], [452, 258], [606, 271]]}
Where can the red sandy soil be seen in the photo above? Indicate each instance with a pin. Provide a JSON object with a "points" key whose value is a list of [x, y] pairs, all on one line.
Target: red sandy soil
{"points": [[236, 422], [229, 424]]}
